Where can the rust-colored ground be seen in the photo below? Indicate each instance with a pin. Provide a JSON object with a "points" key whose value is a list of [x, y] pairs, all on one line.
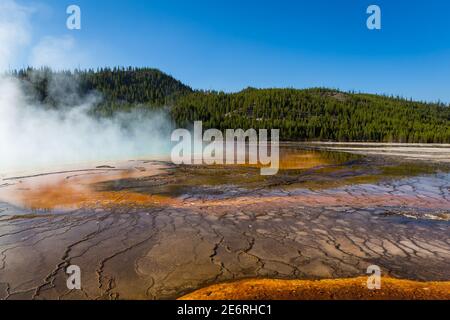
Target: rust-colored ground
{"points": [[340, 289], [73, 190]]}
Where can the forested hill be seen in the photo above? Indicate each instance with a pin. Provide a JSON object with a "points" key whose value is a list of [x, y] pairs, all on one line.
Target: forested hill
{"points": [[135, 85], [119, 88], [310, 114], [319, 114]]}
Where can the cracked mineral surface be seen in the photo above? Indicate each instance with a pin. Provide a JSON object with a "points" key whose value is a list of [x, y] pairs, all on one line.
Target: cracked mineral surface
{"points": [[151, 230]]}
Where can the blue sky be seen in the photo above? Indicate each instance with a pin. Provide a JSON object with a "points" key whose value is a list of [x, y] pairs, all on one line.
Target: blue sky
{"points": [[229, 45]]}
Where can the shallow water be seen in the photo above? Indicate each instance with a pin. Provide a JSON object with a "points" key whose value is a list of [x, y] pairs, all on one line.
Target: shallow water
{"points": [[303, 170]]}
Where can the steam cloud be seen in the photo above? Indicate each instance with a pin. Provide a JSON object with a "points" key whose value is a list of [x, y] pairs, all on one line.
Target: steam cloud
{"points": [[34, 136]]}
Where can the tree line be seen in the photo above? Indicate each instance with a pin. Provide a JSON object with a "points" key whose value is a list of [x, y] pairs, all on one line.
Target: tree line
{"points": [[308, 114]]}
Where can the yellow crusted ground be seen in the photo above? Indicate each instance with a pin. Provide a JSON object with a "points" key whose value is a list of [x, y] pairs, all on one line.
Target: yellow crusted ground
{"points": [[354, 288]]}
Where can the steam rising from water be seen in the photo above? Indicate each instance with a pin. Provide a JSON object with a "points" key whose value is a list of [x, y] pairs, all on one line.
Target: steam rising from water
{"points": [[32, 135]]}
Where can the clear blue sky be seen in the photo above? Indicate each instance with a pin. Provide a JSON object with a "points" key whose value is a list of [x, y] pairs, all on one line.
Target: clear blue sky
{"points": [[229, 45]]}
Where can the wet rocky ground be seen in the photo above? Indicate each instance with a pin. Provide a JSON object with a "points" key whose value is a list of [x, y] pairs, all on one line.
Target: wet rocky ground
{"points": [[161, 234]]}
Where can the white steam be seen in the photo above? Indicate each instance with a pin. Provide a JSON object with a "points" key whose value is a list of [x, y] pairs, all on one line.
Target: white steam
{"points": [[32, 135], [35, 136]]}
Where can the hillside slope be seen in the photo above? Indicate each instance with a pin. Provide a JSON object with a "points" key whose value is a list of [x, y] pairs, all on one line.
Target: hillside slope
{"points": [[308, 114], [319, 114]]}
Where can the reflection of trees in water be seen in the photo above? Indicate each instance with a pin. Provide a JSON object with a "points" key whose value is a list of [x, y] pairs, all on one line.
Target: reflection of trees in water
{"points": [[330, 157], [340, 157]]}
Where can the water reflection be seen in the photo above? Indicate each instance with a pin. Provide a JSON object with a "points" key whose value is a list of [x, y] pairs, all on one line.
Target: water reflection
{"points": [[149, 183]]}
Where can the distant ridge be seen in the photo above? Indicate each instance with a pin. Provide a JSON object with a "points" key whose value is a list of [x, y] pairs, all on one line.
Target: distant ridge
{"points": [[300, 114]]}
